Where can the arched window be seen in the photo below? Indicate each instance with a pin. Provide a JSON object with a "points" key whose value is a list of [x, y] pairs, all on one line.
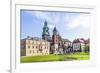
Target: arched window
{"points": [[30, 51]]}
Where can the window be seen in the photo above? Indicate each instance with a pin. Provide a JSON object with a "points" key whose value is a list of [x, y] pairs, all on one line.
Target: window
{"points": [[24, 47], [30, 51], [33, 51], [29, 41], [40, 51], [28, 46], [56, 40], [46, 51], [37, 51]]}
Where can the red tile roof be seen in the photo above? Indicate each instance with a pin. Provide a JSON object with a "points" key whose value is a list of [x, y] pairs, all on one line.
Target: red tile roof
{"points": [[79, 40]]}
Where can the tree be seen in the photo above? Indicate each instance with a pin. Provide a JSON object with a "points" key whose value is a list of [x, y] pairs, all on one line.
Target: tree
{"points": [[87, 48]]}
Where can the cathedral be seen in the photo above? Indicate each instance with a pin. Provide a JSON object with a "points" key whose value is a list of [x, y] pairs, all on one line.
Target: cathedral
{"points": [[57, 44]]}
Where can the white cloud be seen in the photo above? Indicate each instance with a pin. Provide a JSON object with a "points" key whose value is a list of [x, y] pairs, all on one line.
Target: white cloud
{"points": [[51, 18], [82, 20], [40, 15], [71, 21]]}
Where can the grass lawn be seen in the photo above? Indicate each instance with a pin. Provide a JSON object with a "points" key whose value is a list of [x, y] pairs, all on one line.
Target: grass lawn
{"points": [[52, 57]]}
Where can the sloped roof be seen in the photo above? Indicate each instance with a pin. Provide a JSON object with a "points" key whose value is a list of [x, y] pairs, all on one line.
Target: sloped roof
{"points": [[33, 38], [79, 41], [66, 40], [87, 41]]}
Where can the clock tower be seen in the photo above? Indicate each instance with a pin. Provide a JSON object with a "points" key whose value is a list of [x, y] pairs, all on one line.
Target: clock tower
{"points": [[45, 33], [55, 41]]}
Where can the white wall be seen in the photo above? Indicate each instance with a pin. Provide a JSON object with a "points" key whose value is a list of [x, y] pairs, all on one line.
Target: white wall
{"points": [[5, 36]]}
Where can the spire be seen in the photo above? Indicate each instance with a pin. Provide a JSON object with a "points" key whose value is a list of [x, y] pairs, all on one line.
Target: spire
{"points": [[45, 23], [54, 29], [55, 32]]}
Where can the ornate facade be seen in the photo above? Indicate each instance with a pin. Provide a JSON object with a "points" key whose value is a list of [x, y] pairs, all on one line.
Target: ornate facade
{"points": [[34, 46]]}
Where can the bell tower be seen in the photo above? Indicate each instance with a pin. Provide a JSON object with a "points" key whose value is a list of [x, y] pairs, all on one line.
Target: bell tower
{"points": [[45, 33], [55, 41]]}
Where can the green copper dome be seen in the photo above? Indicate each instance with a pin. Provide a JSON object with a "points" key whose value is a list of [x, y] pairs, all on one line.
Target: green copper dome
{"points": [[45, 29], [45, 33]]}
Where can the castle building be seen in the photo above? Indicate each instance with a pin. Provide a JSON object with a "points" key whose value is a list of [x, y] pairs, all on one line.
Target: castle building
{"points": [[34, 47], [79, 45], [67, 46]]}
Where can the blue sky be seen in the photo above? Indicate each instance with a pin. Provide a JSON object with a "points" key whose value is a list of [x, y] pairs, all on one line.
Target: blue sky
{"points": [[69, 25]]}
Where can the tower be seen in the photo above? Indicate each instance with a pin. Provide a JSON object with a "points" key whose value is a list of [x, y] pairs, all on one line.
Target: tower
{"points": [[45, 33], [55, 41]]}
